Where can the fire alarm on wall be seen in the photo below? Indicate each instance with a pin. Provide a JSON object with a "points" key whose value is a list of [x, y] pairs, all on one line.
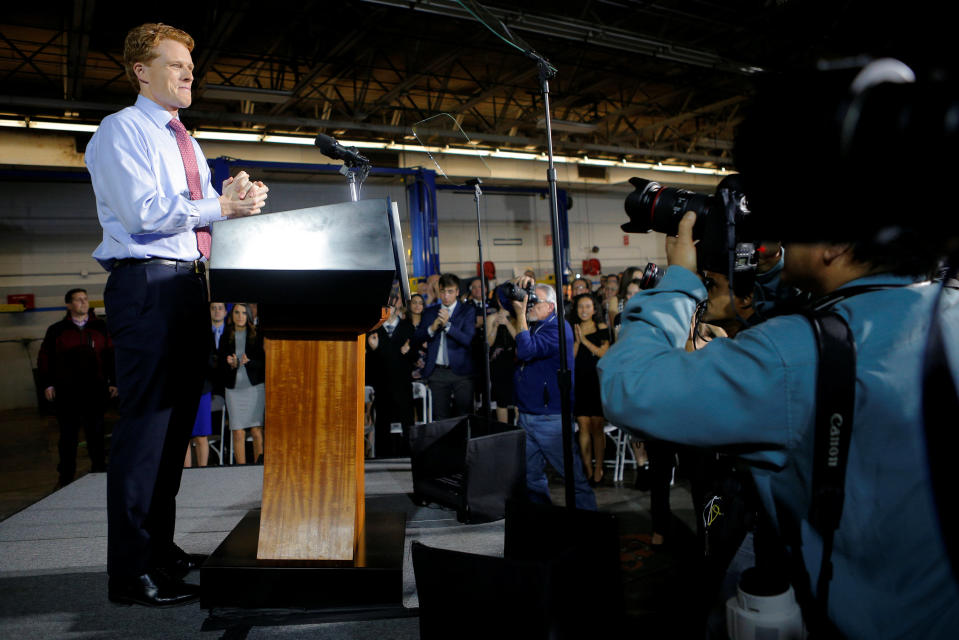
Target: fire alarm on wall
{"points": [[625, 240]]}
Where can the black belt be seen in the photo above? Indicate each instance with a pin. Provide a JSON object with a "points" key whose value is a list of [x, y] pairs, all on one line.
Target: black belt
{"points": [[188, 266]]}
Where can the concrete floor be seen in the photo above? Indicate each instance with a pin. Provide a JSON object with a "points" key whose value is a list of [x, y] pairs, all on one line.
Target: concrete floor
{"points": [[28, 459]]}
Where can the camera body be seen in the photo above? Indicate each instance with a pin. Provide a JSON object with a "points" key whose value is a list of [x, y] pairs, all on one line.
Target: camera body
{"points": [[508, 292]]}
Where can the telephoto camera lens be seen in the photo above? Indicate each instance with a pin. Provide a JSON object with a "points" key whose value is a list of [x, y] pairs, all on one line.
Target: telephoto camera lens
{"points": [[653, 207], [652, 275]]}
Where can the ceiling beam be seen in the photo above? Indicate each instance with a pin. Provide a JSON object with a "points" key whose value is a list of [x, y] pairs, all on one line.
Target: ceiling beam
{"points": [[221, 34], [583, 31], [78, 43]]}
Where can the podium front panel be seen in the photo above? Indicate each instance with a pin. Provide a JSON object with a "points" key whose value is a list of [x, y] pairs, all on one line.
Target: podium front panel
{"points": [[342, 251]]}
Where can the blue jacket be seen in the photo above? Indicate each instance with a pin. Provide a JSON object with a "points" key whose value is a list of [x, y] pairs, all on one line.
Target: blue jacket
{"points": [[535, 382], [459, 336], [891, 576]]}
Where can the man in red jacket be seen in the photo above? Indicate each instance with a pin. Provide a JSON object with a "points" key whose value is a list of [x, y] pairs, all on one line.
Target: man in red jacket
{"points": [[76, 374]]}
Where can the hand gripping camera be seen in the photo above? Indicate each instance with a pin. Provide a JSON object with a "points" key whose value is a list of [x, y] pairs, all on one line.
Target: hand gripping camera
{"points": [[507, 292], [726, 240]]}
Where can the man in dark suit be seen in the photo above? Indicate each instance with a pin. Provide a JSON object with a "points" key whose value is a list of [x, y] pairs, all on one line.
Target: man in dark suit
{"points": [[448, 328]]}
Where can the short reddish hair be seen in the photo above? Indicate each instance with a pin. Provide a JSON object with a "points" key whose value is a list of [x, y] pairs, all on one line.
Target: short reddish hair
{"points": [[140, 45]]}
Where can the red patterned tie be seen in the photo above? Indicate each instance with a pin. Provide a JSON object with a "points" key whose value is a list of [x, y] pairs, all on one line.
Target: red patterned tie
{"points": [[203, 239]]}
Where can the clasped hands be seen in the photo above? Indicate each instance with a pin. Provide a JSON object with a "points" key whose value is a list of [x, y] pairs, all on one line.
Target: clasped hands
{"points": [[442, 318], [234, 362], [242, 196]]}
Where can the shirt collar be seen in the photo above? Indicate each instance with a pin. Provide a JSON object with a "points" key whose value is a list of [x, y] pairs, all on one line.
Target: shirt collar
{"points": [[881, 279], [155, 112]]}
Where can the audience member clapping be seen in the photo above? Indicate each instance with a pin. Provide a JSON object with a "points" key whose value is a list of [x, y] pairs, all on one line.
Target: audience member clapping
{"points": [[414, 315], [590, 343], [242, 363], [389, 362]]}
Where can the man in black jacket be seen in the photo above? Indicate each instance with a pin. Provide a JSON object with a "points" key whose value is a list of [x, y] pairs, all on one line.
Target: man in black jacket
{"points": [[76, 373]]}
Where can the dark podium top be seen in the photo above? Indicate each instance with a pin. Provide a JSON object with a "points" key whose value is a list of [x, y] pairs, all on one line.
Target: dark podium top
{"points": [[327, 268]]}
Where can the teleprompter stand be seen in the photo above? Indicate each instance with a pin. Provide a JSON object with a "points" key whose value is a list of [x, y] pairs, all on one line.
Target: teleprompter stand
{"points": [[321, 277]]}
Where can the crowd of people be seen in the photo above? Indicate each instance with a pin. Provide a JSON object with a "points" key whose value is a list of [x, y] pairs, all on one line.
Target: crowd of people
{"points": [[438, 339], [76, 373]]}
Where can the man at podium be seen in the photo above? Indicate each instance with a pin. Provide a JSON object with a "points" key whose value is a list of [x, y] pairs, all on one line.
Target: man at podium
{"points": [[155, 203]]}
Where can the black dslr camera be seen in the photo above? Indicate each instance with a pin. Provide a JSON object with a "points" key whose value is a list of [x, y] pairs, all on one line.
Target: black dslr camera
{"points": [[726, 241], [507, 292]]}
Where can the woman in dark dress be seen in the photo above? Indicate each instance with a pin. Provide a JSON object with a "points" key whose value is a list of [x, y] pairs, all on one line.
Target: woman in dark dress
{"points": [[389, 361], [590, 343], [413, 316], [501, 335]]}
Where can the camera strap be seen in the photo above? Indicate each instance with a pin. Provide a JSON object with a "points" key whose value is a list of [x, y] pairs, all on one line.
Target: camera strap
{"points": [[835, 403]]}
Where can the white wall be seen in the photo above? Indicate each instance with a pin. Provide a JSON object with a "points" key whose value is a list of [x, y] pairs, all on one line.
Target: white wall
{"points": [[49, 229], [593, 221]]}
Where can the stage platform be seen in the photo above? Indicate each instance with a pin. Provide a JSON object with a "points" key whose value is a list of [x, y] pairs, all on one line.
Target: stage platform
{"points": [[53, 580]]}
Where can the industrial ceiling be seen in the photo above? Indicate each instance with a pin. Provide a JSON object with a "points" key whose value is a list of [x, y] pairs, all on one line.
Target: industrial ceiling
{"points": [[644, 81]]}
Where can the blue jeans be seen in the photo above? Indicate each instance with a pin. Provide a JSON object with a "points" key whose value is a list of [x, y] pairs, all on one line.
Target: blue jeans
{"points": [[544, 443]]}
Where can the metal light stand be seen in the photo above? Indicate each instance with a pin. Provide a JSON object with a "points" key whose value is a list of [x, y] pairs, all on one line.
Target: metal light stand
{"points": [[477, 192], [356, 173], [564, 375]]}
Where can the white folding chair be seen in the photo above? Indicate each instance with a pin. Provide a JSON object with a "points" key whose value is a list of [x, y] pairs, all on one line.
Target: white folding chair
{"points": [[218, 404], [621, 439], [421, 393]]}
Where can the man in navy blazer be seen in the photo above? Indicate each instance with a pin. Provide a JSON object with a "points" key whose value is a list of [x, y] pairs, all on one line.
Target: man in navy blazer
{"points": [[448, 328]]}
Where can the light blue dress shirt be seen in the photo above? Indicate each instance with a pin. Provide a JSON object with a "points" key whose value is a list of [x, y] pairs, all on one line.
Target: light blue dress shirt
{"points": [[143, 201], [891, 575]]}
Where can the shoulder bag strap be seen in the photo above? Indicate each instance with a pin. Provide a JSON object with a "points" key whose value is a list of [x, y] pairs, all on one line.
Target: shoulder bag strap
{"points": [[835, 404]]}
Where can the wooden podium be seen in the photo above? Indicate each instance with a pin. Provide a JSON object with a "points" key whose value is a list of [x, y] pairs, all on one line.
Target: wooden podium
{"points": [[321, 277]]}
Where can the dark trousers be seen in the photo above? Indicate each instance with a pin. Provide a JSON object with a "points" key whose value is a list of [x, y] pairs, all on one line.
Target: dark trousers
{"points": [[452, 393], [662, 458], [159, 318], [72, 415]]}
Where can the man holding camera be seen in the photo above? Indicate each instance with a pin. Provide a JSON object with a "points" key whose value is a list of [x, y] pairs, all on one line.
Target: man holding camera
{"points": [[863, 261], [538, 393]]}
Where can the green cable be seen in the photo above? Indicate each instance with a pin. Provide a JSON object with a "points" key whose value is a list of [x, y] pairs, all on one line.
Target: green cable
{"points": [[552, 69]]}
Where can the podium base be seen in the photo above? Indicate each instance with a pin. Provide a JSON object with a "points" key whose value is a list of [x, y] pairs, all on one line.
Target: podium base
{"points": [[232, 577]]}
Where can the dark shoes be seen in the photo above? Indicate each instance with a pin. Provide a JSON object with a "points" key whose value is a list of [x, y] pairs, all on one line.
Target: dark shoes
{"points": [[179, 563], [153, 589]]}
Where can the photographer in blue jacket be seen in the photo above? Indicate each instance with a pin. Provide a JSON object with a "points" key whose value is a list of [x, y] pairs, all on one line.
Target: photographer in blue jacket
{"points": [[537, 392], [851, 248]]}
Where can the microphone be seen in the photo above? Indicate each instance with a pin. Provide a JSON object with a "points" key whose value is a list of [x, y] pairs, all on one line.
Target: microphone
{"points": [[333, 149]]}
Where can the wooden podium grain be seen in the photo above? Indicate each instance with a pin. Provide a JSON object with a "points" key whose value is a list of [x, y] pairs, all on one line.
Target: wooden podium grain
{"points": [[313, 493]]}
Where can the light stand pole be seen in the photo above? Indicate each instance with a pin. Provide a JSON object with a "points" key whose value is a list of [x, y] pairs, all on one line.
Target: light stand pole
{"points": [[564, 375], [477, 192]]}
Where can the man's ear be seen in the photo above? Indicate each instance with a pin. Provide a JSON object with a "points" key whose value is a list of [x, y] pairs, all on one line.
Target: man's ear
{"points": [[833, 252], [138, 70]]}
